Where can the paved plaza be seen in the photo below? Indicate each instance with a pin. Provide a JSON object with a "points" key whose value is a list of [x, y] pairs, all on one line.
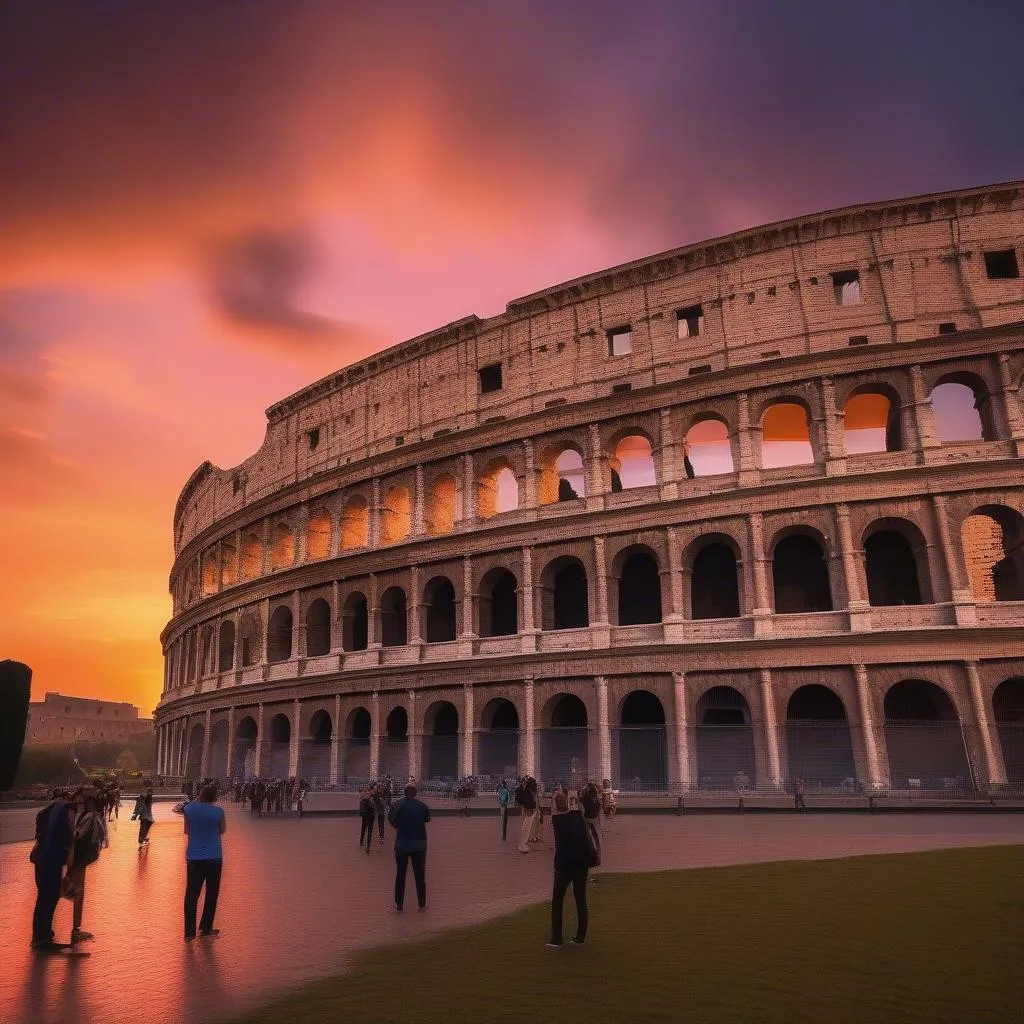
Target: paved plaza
{"points": [[299, 897]]}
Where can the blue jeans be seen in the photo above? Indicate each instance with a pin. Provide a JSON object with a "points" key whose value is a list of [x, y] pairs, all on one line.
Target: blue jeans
{"points": [[48, 881]]}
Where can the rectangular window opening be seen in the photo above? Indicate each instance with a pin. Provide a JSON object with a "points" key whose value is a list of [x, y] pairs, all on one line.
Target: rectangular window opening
{"points": [[846, 285], [858, 339], [314, 438], [399, 441], [617, 389], [620, 341], [694, 370], [551, 403], [947, 328], [1001, 264], [690, 321], [490, 378]]}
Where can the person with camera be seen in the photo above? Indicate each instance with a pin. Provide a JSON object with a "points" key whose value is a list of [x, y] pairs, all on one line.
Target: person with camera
{"points": [[575, 855]]}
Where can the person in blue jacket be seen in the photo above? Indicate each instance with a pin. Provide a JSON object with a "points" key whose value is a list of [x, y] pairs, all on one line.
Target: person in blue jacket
{"points": [[409, 818]]}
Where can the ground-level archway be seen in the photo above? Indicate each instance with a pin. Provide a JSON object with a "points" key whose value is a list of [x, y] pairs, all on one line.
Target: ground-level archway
{"points": [[441, 741], [498, 740], [246, 735], [725, 741], [315, 752], [356, 761], [394, 745], [278, 751], [194, 757], [217, 768], [818, 741], [1008, 705], [640, 744], [562, 740]]}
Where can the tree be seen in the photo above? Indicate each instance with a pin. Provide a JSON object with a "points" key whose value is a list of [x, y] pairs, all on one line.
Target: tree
{"points": [[127, 762]]}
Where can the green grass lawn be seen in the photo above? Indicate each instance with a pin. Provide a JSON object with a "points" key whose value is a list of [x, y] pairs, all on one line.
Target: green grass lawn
{"points": [[924, 937]]}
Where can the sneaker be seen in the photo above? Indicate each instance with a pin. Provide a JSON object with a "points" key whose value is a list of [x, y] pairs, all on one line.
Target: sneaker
{"points": [[50, 946], [553, 945], [398, 908], [211, 933], [421, 909], [578, 941], [77, 935]]}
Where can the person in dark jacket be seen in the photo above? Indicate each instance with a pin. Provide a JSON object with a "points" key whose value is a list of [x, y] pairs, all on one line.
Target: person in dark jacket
{"points": [[380, 808], [367, 816], [54, 836], [409, 817], [573, 857]]}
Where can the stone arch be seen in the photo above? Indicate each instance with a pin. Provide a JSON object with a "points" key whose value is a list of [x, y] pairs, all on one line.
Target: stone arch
{"points": [[1008, 708], [725, 741], [194, 757], [563, 740], [713, 564], [924, 737], [394, 744], [217, 766], [250, 627], [355, 622], [355, 524], [631, 463], [318, 628], [226, 646], [278, 754], [962, 409], [279, 634], [562, 474], [498, 739], [208, 659], [499, 611], [228, 564], [439, 610], [497, 489], [707, 447], [564, 594], [896, 563], [356, 761], [441, 736], [992, 540], [252, 556], [210, 573], [315, 752], [394, 618], [786, 434], [641, 743], [282, 554], [442, 505], [318, 534], [637, 572], [871, 420], [818, 740], [800, 573], [395, 515], [246, 736], [190, 655]]}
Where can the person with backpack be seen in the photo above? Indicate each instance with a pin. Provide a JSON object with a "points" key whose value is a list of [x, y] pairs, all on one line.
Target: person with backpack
{"points": [[53, 841], [144, 812], [575, 854], [503, 799], [90, 836], [367, 816]]}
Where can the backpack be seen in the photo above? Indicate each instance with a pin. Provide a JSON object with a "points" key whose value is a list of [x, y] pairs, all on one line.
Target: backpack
{"points": [[89, 844]]}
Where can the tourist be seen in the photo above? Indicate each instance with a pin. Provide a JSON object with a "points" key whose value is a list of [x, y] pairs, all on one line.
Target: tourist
{"points": [[503, 798], [798, 796], [299, 795], [380, 809], [608, 806], [574, 855], [54, 837], [536, 834], [90, 836], [367, 815], [526, 797], [205, 823], [590, 804], [144, 812], [409, 817]]}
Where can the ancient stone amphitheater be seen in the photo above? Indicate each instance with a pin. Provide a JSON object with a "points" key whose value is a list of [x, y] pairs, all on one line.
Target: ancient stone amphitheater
{"points": [[732, 516]]}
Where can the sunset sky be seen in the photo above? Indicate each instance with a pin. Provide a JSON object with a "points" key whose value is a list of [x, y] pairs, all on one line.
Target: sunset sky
{"points": [[206, 205]]}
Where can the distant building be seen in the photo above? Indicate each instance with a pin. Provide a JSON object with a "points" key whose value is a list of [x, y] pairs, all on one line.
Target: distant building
{"points": [[60, 719]]}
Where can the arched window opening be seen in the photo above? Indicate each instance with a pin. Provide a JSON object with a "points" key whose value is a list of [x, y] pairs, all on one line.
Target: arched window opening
{"points": [[355, 524], [642, 749], [320, 728], [355, 622], [639, 590], [442, 501], [957, 408], [194, 755], [632, 464], [394, 748], [356, 762], [318, 535], [279, 634], [563, 741], [725, 742], [190, 643], [207, 664], [217, 767], [315, 752], [785, 436], [707, 449], [442, 741], [228, 565], [818, 741], [1008, 705], [993, 544], [283, 552], [499, 613], [318, 629], [395, 516], [279, 752], [800, 576], [565, 603], [498, 490], [250, 640], [499, 740], [209, 574], [871, 423], [562, 477], [252, 556], [714, 592], [925, 740], [439, 601], [393, 618], [226, 647], [891, 569], [246, 734], [359, 724]]}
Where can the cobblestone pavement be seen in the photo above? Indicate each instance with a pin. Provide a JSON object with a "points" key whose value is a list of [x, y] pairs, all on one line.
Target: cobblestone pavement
{"points": [[299, 897]]}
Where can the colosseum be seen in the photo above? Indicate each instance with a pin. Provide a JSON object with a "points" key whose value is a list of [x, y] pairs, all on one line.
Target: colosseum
{"points": [[731, 516]]}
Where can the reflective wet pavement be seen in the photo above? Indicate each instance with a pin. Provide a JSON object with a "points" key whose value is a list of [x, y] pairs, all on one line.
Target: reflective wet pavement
{"points": [[299, 897]]}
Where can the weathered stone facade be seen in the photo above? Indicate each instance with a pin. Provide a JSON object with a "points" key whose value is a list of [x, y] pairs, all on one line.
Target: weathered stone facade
{"points": [[360, 565], [59, 719]]}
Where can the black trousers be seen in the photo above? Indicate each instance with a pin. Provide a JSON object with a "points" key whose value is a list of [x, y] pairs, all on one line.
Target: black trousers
{"points": [[419, 872], [197, 873], [504, 821], [365, 831], [577, 878], [380, 826], [144, 827], [48, 882]]}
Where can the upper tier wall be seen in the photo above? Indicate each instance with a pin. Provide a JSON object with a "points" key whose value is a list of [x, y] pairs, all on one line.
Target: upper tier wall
{"points": [[765, 293]]}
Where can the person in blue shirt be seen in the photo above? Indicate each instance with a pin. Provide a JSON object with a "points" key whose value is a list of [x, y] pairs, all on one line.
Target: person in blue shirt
{"points": [[204, 859], [54, 836], [409, 817], [503, 798]]}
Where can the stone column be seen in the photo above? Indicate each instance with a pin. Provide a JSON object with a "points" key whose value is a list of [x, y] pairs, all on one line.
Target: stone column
{"points": [[298, 628], [675, 579], [750, 462], [414, 737], [466, 752], [527, 625], [375, 735], [265, 548], [762, 601], [257, 757], [414, 608], [419, 500], [960, 592], [528, 740], [867, 725], [601, 581], [302, 534], [671, 468], [530, 481], [995, 771], [681, 744], [596, 485], [337, 623], [468, 490], [771, 731], [374, 524], [372, 615], [923, 415], [295, 740], [1010, 394], [468, 632], [604, 738], [831, 437], [231, 742], [239, 662], [859, 609], [335, 739], [204, 760]]}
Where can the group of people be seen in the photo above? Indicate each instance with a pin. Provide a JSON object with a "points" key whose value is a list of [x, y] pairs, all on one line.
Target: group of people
{"points": [[276, 795], [597, 804], [375, 803]]}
